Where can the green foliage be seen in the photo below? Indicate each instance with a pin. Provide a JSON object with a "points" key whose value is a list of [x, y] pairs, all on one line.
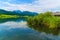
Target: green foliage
{"points": [[3, 16], [45, 21]]}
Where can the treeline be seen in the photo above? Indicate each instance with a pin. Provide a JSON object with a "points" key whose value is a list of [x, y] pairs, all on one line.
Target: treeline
{"points": [[45, 22], [15, 14], [18, 12]]}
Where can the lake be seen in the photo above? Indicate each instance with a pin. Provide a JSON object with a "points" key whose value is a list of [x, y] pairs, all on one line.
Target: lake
{"points": [[17, 29]]}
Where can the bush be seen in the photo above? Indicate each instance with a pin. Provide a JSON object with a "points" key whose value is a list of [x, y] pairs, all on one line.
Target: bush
{"points": [[44, 21]]}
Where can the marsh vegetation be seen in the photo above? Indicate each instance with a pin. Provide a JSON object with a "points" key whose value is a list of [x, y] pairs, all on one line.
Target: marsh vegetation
{"points": [[45, 22]]}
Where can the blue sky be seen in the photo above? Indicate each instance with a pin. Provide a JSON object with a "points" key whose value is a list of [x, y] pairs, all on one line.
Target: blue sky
{"points": [[30, 5]]}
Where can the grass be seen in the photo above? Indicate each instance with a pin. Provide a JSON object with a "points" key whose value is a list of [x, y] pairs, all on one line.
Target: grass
{"points": [[3, 16], [45, 22]]}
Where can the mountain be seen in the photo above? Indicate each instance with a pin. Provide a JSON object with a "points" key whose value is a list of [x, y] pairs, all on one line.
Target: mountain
{"points": [[6, 12], [29, 13], [18, 12], [3, 11], [25, 13]]}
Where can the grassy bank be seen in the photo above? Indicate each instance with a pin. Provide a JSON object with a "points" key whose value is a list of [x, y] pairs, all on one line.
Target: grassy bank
{"points": [[3, 16], [45, 22]]}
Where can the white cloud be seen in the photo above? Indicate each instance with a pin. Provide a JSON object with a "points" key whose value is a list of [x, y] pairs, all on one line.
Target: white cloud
{"points": [[25, 7], [36, 6]]}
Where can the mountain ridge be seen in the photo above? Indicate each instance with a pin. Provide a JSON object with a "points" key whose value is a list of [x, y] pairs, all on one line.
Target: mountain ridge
{"points": [[18, 12]]}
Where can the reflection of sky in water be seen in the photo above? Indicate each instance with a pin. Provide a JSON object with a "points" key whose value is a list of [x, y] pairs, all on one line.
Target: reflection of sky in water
{"points": [[9, 25], [20, 31]]}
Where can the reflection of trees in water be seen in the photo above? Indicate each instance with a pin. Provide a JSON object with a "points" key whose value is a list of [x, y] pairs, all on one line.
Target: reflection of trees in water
{"points": [[54, 31], [45, 22], [12, 19]]}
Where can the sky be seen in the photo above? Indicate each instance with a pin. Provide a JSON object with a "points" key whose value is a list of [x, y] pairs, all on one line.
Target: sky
{"points": [[30, 5]]}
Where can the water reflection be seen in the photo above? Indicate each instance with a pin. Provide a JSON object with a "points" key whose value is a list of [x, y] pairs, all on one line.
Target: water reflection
{"points": [[18, 30], [11, 24], [55, 31], [12, 19]]}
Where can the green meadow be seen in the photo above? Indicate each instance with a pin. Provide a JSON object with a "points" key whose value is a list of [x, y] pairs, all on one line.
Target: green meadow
{"points": [[3, 16]]}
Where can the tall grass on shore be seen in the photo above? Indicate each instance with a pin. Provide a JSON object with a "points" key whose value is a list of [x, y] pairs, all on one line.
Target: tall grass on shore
{"points": [[45, 22]]}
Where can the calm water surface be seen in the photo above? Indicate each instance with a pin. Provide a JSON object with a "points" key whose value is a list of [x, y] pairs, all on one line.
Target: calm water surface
{"points": [[18, 30]]}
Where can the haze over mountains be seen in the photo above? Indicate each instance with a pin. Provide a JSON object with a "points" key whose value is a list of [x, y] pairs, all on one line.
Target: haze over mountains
{"points": [[18, 12]]}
